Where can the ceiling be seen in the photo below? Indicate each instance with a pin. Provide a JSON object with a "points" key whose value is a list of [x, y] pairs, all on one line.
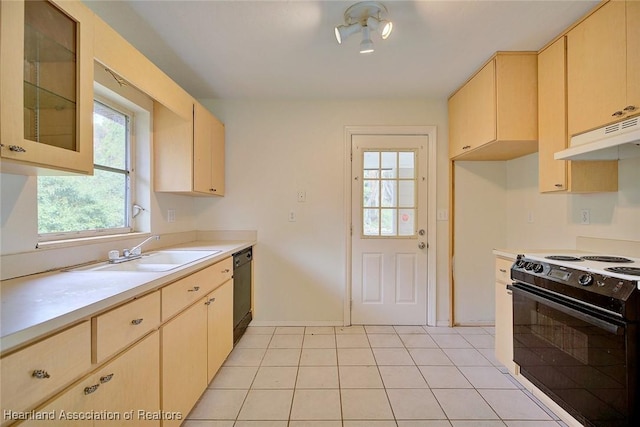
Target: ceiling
{"points": [[236, 49]]}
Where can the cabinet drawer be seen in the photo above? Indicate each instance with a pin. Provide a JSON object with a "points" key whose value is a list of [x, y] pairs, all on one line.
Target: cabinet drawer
{"points": [[182, 293], [114, 330], [503, 269], [37, 371]]}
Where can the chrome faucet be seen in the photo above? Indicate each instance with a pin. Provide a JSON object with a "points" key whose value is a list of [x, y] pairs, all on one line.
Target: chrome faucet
{"points": [[130, 254]]}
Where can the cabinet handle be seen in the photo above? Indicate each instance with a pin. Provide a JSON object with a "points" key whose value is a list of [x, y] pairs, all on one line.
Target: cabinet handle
{"points": [[466, 147], [226, 270], [17, 149], [617, 114], [210, 301], [106, 378], [91, 389], [195, 289], [213, 190], [559, 185], [502, 270], [136, 321], [40, 374], [630, 108], [509, 293]]}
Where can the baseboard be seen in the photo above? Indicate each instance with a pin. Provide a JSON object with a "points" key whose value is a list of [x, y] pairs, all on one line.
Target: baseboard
{"points": [[255, 322]]}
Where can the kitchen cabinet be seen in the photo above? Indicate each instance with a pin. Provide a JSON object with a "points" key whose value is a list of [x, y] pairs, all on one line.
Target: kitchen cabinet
{"points": [[603, 65], [219, 327], [128, 383], [34, 373], [504, 314], [188, 155], [46, 110], [560, 175], [493, 115]]}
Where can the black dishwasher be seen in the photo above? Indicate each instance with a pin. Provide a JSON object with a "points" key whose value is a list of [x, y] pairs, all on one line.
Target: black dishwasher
{"points": [[241, 292]]}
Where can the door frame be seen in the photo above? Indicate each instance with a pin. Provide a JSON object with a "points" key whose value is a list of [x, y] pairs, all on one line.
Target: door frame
{"points": [[430, 132]]}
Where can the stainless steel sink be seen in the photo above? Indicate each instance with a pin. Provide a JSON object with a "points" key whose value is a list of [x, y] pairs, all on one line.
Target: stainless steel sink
{"points": [[151, 262]]}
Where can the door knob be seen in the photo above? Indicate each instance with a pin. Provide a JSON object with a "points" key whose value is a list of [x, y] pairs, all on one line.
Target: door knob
{"points": [[421, 232], [421, 245]]}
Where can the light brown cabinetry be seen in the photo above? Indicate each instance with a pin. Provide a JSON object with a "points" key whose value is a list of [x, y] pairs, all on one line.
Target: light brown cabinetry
{"points": [[493, 115], [188, 156], [46, 108], [504, 314], [603, 65], [219, 327], [561, 175], [129, 384], [34, 373]]}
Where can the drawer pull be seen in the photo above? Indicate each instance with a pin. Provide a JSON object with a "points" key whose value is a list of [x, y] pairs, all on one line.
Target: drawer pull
{"points": [[106, 378], [17, 149], [466, 147], [91, 389], [502, 270], [210, 301], [195, 289], [40, 374], [617, 114], [226, 270], [559, 185], [136, 321], [630, 108]]}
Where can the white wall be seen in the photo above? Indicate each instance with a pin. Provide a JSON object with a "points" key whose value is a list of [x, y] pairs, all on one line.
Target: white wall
{"points": [[274, 149]]}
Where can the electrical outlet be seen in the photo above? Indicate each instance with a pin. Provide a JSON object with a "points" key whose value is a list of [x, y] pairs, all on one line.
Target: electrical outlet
{"points": [[292, 216], [171, 215], [302, 196], [585, 217]]}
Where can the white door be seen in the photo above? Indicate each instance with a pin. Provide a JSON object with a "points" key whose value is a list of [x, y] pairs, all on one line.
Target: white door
{"points": [[389, 223]]}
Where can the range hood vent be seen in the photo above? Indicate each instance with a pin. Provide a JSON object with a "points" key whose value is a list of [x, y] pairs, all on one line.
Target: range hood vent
{"points": [[617, 141]]}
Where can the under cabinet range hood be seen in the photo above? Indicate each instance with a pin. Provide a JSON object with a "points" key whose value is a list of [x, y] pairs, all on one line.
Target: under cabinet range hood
{"points": [[617, 141]]}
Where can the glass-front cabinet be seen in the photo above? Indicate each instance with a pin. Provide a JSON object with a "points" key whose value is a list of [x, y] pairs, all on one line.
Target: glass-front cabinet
{"points": [[46, 87]]}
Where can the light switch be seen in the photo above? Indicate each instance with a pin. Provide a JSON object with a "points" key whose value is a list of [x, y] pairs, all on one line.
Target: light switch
{"points": [[302, 196]]}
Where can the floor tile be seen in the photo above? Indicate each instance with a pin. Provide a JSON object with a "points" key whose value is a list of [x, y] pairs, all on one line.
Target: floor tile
{"points": [[477, 423], [491, 330], [460, 404], [254, 341], [424, 423], [270, 377], [342, 330], [239, 377], [513, 405], [470, 330], [245, 357], [429, 356], [267, 405], [286, 341], [260, 424], [365, 404], [316, 405], [218, 405], [308, 423], [481, 341], [466, 357], [317, 377], [355, 356], [373, 329], [318, 357], [451, 341], [414, 404], [207, 423], [402, 377], [486, 377], [319, 330], [385, 340], [281, 357], [289, 330], [319, 341], [490, 355], [369, 423], [444, 377], [360, 377], [531, 423], [418, 341], [392, 356], [260, 330], [410, 330], [438, 330], [352, 341]]}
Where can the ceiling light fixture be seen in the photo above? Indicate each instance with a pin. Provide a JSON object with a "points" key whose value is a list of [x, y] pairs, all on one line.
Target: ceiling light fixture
{"points": [[365, 17]]}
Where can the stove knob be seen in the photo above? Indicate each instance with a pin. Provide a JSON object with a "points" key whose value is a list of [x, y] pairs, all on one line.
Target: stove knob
{"points": [[538, 268], [520, 263], [528, 265], [585, 279]]}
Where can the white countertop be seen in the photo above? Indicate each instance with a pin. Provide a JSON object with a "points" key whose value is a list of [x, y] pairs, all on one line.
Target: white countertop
{"points": [[39, 304]]}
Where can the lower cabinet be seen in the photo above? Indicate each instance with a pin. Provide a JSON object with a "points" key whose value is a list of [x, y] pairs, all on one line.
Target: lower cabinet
{"points": [[219, 327], [124, 392], [504, 315]]}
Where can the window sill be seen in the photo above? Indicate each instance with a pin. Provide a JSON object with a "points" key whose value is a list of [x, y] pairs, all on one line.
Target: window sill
{"points": [[90, 240]]}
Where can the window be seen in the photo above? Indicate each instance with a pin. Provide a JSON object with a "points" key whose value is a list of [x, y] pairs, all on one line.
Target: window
{"points": [[79, 206]]}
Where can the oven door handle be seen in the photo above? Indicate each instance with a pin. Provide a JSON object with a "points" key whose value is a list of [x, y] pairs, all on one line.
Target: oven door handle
{"points": [[586, 317]]}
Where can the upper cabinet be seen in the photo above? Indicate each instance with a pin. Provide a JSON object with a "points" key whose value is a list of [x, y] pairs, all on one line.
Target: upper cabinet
{"points": [[493, 116], [560, 175], [46, 70], [603, 65], [188, 154]]}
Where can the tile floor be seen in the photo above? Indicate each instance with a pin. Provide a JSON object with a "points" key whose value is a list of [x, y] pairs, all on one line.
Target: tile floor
{"points": [[373, 376]]}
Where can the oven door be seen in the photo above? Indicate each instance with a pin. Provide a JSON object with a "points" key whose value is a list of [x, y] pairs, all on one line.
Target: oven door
{"points": [[576, 355]]}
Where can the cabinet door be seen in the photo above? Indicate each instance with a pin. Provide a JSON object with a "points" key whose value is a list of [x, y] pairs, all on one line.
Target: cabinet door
{"points": [[633, 54], [202, 149], [596, 69], [184, 360], [218, 160], [504, 315], [220, 327], [47, 86]]}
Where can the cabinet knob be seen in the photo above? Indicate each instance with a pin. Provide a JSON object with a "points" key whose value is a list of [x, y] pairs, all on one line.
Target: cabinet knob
{"points": [[106, 378], [466, 147], [630, 108], [40, 374], [194, 289], [136, 321], [91, 389], [617, 114], [17, 149]]}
